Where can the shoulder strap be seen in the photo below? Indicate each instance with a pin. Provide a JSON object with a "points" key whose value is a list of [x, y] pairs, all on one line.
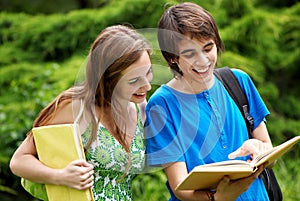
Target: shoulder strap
{"points": [[80, 112], [232, 85]]}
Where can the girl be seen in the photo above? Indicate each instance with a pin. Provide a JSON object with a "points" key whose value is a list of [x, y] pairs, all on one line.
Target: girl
{"points": [[118, 75]]}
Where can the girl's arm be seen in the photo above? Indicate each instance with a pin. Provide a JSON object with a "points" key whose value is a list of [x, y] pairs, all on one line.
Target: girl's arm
{"points": [[24, 162]]}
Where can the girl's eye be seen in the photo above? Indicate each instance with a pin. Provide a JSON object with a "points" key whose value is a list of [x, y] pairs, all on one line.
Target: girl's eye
{"points": [[133, 81], [149, 71], [137, 79]]}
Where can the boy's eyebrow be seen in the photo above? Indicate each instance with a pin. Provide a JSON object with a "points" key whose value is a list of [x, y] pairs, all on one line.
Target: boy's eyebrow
{"points": [[187, 50], [190, 50], [208, 44]]}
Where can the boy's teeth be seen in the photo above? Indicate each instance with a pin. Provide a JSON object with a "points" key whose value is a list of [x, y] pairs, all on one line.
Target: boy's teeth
{"points": [[201, 70]]}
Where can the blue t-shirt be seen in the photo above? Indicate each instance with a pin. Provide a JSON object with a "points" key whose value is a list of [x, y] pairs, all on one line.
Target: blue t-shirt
{"points": [[201, 128]]}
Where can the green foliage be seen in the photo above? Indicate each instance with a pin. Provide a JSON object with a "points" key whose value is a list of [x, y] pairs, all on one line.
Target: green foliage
{"points": [[270, 40], [244, 36], [41, 55], [48, 7], [286, 104], [287, 173], [275, 3], [58, 36], [254, 68], [144, 188], [238, 9], [270, 93], [7, 23]]}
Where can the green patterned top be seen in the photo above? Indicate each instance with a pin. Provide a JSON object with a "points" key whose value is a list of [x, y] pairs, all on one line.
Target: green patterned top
{"points": [[110, 161]]}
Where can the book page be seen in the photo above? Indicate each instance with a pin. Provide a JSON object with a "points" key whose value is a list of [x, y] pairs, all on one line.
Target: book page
{"points": [[225, 163], [275, 153], [225, 166]]}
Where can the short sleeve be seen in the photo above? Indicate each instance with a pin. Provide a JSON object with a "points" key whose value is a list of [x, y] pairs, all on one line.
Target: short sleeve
{"points": [[257, 108], [162, 143]]}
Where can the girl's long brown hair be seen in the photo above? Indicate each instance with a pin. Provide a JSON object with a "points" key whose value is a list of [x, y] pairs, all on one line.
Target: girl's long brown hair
{"points": [[113, 51]]}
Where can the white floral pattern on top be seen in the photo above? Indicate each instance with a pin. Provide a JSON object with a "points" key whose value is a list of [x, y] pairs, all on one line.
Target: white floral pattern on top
{"points": [[110, 162]]}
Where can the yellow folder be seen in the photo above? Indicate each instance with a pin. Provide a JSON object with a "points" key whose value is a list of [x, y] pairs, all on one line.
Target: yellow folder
{"points": [[57, 146]]}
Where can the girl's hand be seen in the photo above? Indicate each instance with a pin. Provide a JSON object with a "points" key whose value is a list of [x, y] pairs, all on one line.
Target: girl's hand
{"points": [[251, 147], [78, 174]]}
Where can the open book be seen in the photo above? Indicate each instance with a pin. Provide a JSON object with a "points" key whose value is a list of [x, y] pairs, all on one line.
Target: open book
{"points": [[208, 176], [57, 146]]}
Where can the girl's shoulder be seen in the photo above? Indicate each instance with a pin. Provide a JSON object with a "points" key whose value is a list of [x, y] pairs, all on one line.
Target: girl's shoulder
{"points": [[66, 112]]}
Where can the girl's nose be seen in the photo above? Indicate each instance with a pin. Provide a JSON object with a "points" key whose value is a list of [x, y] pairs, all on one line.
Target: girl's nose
{"points": [[146, 85]]}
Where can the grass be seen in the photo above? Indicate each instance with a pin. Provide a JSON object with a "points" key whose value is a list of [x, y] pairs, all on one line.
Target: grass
{"points": [[288, 175]]}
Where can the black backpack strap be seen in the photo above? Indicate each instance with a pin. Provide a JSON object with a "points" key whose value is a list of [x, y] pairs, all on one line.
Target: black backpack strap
{"points": [[232, 85]]}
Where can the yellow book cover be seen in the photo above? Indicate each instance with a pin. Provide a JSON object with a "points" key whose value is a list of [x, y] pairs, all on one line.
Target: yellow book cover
{"points": [[209, 175], [57, 146]]}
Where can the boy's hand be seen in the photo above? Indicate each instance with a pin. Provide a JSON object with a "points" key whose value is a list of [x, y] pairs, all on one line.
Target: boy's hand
{"points": [[251, 147]]}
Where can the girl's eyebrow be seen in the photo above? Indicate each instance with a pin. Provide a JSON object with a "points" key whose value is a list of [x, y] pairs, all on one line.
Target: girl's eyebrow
{"points": [[133, 78]]}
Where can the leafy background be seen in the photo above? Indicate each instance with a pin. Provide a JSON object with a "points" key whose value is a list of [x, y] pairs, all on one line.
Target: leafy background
{"points": [[44, 44]]}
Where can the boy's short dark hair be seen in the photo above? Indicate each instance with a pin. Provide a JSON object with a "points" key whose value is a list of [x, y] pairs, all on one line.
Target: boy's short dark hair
{"points": [[185, 21]]}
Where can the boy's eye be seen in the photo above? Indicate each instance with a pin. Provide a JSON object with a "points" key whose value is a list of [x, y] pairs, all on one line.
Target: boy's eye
{"points": [[189, 54], [208, 48]]}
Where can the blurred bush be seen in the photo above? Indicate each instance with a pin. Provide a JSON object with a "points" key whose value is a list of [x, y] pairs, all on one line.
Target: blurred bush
{"points": [[41, 55]]}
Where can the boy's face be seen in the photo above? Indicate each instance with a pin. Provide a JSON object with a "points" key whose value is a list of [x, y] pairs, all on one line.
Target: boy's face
{"points": [[197, 60]]}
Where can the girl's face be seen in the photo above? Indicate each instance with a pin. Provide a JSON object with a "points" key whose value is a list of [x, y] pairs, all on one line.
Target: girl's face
{"points": [[135, 82], [197, 60]]}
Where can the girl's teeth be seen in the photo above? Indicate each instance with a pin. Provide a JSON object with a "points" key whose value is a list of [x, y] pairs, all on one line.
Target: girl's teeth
{"points": [[140, 94]]}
